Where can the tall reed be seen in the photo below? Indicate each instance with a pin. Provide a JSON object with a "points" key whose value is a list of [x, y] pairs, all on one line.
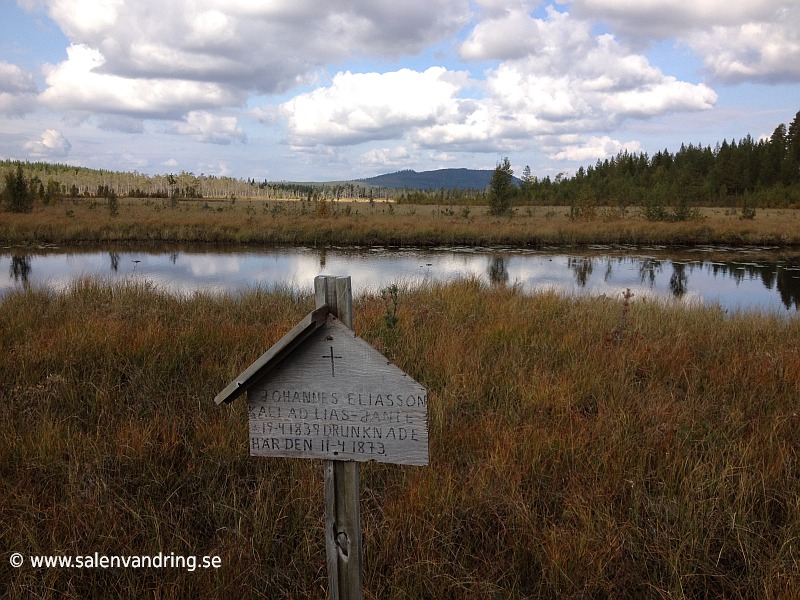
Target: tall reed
{"points": [[658, 462]]}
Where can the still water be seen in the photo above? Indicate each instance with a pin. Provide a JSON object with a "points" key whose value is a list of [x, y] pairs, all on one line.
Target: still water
{"points": [[755, 279]]}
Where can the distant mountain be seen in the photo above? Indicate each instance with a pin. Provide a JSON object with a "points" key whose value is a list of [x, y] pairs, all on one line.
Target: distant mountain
{"points": [[448, 179]]}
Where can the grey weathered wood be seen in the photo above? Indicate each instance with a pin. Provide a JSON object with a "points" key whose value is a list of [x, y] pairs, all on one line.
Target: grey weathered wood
{"points": [[344, 297], [274, 355], [322, 392], [337, 398], [342, 485], [343, 543]]}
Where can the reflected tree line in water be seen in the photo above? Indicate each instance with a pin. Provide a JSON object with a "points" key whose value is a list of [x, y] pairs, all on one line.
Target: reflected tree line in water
{"points": [[20, 270], [773, 276], [783, 278], [777, 277]]}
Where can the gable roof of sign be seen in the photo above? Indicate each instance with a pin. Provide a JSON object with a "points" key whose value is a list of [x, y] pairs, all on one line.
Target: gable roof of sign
{"points": [[280, 350]]}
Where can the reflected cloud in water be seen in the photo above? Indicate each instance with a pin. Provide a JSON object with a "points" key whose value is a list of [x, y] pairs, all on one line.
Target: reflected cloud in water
{"points": [[735, 284]]}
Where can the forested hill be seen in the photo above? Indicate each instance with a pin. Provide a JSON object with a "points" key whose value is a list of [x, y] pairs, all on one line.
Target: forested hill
{"points": [[441, 179], [763, 172]]}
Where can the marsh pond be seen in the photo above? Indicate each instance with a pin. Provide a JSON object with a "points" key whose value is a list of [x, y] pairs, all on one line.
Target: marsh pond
{"points": [[765, 279]]}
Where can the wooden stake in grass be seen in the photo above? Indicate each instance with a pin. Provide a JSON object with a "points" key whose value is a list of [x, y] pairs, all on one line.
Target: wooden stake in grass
{"points": [[342, 486]]}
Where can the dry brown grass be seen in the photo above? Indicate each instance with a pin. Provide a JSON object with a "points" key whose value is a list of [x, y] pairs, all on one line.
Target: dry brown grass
{"points": [[660, 462], [381, 223]]}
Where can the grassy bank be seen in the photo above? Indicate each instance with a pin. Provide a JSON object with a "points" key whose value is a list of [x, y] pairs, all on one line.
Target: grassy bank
{"points": [[579, 449], [379, 223]]}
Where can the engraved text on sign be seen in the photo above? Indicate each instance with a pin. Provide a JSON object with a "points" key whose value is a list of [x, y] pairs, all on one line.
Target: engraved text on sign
{"points": [[337, 398]]}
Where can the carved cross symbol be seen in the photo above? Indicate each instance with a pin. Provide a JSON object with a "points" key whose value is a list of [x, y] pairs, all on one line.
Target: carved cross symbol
{"points": [[331, 356]]}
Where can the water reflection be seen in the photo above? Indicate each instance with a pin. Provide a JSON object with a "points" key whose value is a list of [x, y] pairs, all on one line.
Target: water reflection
{"points": [[678, 281], [737, 282], [609, 270], [582, 267], [648, 269], [21, 268], [498, 271]]}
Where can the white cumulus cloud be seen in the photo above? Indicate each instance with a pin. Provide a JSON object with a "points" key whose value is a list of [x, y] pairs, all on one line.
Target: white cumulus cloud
{"points": [[79, 83], [593, 148], [51, 145], [204, 126], [768, 52], [354, 82], [261, 46], [556, 76], [552, 76], [667, 18], [17, 90], [394, 157], [371, 106], [738, 40]]}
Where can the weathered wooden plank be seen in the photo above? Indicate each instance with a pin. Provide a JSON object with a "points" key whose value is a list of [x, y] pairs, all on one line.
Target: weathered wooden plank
{"points": [[337, 398], [274, 355], [344, 301]]}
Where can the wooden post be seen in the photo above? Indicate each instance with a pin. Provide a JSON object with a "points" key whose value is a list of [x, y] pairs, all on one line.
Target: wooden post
{"points": [[321, 361], [342, 492]]}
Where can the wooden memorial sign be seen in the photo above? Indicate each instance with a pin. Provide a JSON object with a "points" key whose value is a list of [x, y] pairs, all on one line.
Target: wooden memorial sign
{"points": [[337, 398], [333, 397], [322, 392]]}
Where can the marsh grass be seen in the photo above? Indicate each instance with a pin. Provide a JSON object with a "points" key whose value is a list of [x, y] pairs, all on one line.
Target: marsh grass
{"points": [[662, 464], [313, 223]]}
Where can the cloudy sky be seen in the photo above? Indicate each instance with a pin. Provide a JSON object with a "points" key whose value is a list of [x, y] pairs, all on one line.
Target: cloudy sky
{"points": [[322, 90]]}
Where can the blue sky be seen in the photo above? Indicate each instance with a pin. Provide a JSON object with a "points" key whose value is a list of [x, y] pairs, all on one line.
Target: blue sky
{"points": [[318, 90]]}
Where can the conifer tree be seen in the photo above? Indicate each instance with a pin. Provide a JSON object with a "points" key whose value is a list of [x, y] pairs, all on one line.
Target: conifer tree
{"points": [[501, 188], [17, 194], [792, 159]]}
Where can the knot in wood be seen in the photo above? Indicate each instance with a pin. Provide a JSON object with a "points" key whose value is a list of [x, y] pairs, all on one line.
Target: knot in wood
{"points": [[343, 542]]}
